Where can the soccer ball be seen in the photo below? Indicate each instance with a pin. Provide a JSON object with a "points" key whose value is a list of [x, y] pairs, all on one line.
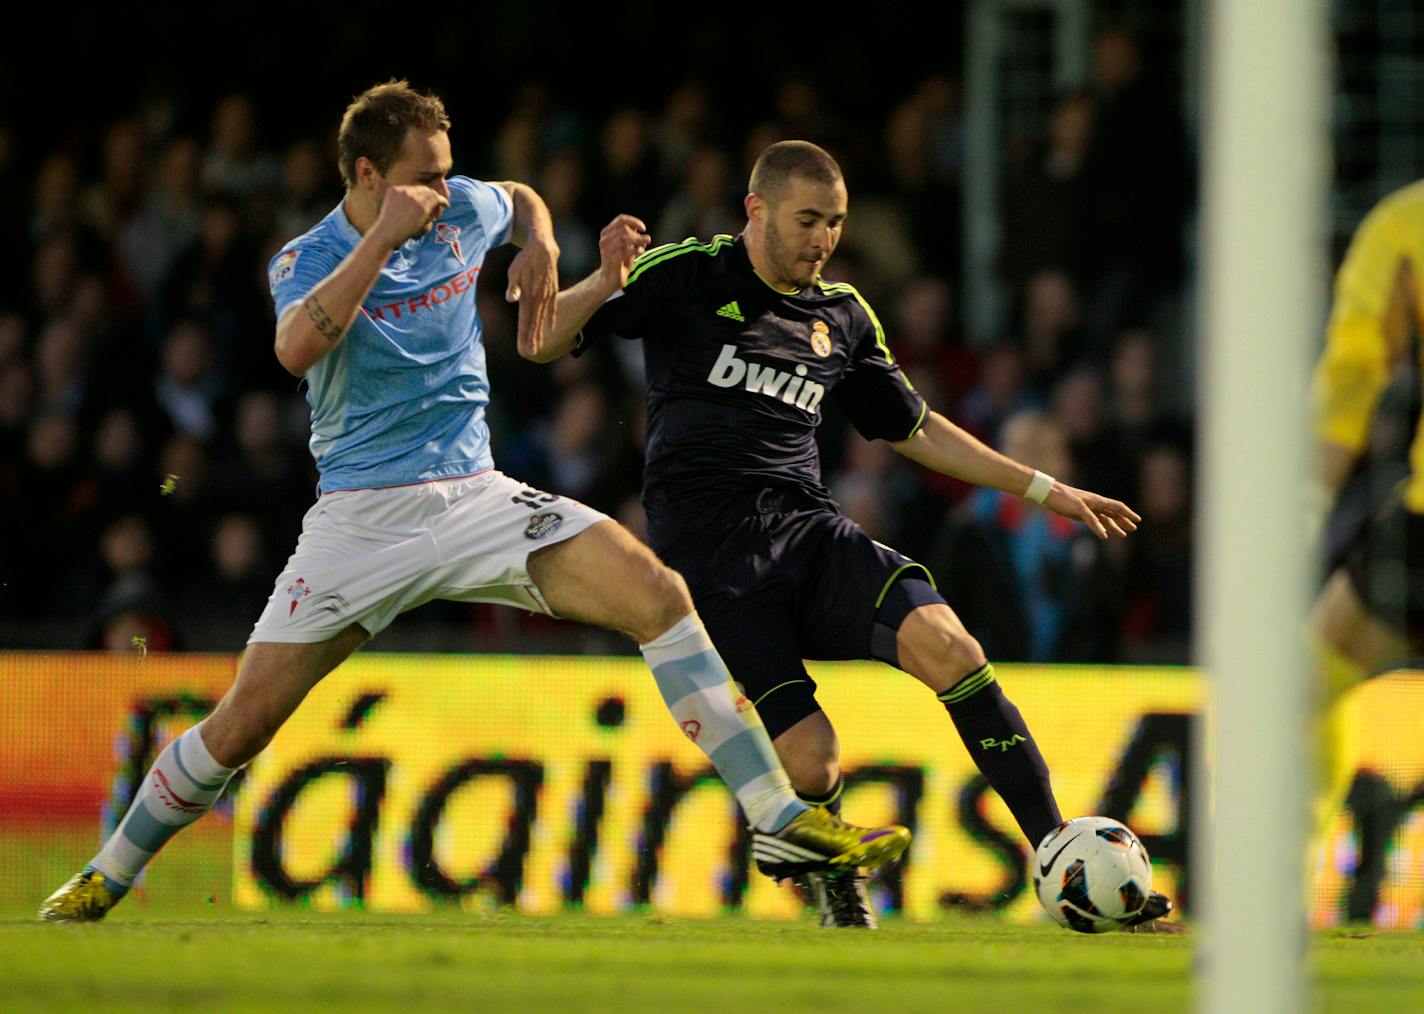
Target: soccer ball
{"points": [[1092, 874]]}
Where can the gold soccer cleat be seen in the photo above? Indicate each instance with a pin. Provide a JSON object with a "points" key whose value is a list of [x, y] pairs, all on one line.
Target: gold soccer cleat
{"points": [[87, 897], [819, 840]]}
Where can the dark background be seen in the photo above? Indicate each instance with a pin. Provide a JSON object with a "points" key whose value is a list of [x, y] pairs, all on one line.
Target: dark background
{"points": [[135, 326]]}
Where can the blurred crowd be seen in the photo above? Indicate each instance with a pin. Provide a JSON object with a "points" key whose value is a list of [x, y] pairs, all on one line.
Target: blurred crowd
{"points": [[153, 462]]}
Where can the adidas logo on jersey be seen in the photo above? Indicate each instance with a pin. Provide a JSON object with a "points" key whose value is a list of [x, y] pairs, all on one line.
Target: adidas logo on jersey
{"points": [[732, 311], [791, 388]]}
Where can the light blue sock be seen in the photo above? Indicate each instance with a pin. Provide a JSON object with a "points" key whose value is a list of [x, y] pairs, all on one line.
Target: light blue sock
{"points": [[722, 722], [182, 785]]}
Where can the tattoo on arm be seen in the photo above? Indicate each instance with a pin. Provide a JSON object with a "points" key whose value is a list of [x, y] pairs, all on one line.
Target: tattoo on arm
{"points": [[327, 327]]}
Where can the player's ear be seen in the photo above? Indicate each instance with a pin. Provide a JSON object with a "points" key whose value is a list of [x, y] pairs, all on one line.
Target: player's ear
{"points": [[367, 175], [756, 208]]}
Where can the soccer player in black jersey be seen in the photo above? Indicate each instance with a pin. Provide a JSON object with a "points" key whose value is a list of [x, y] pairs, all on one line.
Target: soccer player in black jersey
{"points": [[743, 341]]}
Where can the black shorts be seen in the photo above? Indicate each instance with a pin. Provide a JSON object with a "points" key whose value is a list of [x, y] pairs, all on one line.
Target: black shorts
{"points": [[1385, 563], [788, 579]]}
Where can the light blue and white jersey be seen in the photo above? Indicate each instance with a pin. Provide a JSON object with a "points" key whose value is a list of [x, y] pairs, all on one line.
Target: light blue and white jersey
{"points": [[402, 398]]}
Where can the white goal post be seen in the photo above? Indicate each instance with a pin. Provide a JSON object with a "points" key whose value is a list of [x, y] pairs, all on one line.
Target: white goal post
{"points": [[1262, 309]]}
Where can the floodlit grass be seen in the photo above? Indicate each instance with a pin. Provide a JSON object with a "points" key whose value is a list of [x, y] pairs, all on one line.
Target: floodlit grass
{"points": [[213, 960]]}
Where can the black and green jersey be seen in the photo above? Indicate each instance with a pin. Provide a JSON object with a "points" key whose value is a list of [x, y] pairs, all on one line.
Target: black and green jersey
{"points": [[737, 372]]}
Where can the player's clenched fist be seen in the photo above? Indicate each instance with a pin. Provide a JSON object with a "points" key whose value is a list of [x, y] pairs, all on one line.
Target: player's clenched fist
{"points": [[408, 211], [619, 244]]}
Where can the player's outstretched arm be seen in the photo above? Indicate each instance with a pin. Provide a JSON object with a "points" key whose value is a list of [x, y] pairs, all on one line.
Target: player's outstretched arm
{"points": [[534, 272], [619, 245], [310, 329], [944, 447]]}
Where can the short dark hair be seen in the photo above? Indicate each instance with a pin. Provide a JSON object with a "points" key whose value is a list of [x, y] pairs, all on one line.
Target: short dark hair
{"points": [[375, 123], [781, 161]]}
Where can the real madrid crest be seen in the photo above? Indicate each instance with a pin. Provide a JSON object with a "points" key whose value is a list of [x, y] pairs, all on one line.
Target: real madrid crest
{"points": [[820, 338]]}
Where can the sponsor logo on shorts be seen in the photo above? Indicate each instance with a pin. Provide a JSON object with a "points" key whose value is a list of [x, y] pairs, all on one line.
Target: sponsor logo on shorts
{"points": [[298, 590], [692, 727], [541, 525], [533, 499]]}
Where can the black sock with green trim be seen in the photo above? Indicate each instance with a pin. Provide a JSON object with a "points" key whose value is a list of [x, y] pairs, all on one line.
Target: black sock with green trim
{"points": [[831, 800], [1003, 749]]}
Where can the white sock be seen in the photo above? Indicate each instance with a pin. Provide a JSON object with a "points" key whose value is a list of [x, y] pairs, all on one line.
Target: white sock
{"points": [[705, 702], [182, 785]]}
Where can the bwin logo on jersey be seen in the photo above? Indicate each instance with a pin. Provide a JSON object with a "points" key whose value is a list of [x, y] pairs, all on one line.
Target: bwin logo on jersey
{"points": [[793, 389]]}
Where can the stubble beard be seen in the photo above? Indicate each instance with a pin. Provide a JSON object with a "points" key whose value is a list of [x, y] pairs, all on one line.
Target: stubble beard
{"points": [[781, 261]]}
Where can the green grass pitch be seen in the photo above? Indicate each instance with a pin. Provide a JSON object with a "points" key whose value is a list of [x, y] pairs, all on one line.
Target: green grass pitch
{"points": [[213, 960]]}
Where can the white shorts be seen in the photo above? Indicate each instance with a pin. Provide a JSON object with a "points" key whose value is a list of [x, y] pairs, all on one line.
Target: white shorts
{"points": [[365, 556]]}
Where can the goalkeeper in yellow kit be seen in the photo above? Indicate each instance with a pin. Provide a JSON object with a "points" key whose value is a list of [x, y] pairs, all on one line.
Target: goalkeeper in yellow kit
{"points": [[1370, 613]]}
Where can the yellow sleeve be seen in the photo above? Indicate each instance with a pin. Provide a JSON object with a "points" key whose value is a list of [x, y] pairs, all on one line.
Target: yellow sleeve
{"points": [[1365, 337]]}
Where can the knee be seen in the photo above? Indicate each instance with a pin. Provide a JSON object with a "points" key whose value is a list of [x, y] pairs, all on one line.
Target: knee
{"points": [[938, 650], [964, 654], [238, 730], [665, 601]]}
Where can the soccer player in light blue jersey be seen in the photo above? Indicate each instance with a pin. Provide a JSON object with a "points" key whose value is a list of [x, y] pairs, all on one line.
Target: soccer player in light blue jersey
{"points": [[376, 310]]}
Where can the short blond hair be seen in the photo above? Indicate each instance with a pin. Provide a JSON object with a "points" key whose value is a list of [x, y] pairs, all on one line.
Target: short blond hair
{"points": [[375, 123]]}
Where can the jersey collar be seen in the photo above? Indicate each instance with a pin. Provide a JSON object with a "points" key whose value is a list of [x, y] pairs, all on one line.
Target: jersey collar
{"points": [[343, 224]]}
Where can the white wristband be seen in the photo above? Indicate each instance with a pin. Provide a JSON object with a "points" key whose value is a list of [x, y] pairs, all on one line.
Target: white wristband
{"points": [[1039, 487]]}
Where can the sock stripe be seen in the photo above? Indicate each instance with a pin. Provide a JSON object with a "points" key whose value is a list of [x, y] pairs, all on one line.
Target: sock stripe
{"points": [[178, 759], [681, 678], [969, 686], [116, 886], [740, 760], [145, 831], [786, 815], [710, 709]]}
